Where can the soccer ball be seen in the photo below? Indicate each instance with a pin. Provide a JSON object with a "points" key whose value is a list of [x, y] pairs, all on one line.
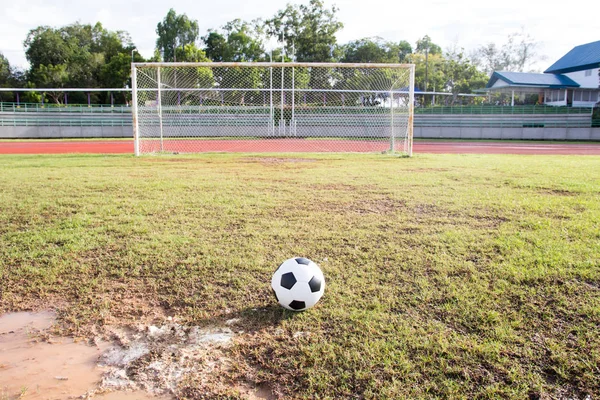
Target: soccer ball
{"points": [[298, 284]]}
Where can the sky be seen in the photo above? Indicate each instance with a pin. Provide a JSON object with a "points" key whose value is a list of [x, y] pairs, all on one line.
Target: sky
{"points": [[466, 23]]}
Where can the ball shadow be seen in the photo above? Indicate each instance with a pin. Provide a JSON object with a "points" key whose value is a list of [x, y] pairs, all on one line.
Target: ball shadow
{"points": [[251, 319]]}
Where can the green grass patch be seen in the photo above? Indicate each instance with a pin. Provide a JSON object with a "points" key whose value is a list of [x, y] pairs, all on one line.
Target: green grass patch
{"points": [[449, 276]]}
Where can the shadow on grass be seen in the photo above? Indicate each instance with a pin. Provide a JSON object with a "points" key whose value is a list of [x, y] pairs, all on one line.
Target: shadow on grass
{"points": [[250, 318]]}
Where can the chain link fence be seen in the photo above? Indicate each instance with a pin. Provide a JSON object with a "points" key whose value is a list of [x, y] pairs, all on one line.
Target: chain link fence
{"points": [[272, 107]]}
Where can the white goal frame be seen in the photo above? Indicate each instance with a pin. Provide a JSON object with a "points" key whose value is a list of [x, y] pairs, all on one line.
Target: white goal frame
{"points": [[383, 97]]}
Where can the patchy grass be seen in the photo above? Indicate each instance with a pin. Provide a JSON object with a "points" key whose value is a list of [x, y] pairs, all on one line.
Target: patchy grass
{"points": [[448, 275]]}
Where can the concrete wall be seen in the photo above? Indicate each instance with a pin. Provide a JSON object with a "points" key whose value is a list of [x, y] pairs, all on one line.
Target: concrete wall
{"points": [[508, 133], [57, 132]]}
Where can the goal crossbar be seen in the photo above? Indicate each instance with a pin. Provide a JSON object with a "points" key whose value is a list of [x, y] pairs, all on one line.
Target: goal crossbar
{"points": [[269, 64]]}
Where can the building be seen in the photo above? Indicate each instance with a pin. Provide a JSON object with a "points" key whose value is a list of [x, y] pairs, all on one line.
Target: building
{"points": [[573, 80]]}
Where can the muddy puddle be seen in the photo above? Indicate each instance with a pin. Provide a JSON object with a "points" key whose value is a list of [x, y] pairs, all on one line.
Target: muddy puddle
{"points": [[35, 365], [32, 367], [133, 363]]}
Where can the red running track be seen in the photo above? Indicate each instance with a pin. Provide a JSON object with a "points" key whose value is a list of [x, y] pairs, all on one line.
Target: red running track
{"points": [[300, 145]]}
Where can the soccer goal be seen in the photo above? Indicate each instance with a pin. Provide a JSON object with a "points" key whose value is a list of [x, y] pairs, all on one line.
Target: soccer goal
{"points": [[272, 107]]}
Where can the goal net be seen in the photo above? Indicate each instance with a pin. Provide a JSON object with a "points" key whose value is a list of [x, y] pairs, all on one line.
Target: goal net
{"points": [[272, 107]]}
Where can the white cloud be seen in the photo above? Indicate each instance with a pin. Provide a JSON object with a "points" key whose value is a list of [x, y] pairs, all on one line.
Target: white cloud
{"points": [[469, 22]]}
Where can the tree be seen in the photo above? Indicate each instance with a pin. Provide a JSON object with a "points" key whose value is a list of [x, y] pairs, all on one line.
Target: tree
{"points": [[52, 76], [404, 49], [45, 46], [310, 29], [190, 53], [435, 73], [79, 55], [461, 76], [240, 41], [518, 54], [5, 71], [425, 45], [369, 50], [375, 50], [173, 32], [216, 47], [488, 58], [6, 78]]}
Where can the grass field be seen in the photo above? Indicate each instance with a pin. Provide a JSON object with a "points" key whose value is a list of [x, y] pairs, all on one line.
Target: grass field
{"points": [[448, 276]]}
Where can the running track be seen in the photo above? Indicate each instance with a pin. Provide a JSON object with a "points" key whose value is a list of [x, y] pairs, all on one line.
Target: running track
{"points": [[299, 145]]}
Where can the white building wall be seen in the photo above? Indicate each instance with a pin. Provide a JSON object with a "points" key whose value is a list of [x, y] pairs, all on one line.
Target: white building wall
{"points": [[591, 82], [500, 83], [583, 104]]}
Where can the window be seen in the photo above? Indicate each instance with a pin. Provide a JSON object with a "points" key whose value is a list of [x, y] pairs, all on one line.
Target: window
{"points": [[577, 95], [588, 72], [586, 96], [561, 95]]}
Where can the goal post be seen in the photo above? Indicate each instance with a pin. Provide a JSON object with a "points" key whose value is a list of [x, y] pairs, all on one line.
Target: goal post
{"points": [[272, 107]]}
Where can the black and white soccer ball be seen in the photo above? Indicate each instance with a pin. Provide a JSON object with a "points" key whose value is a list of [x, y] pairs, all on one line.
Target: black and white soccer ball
{"points": [[298, 284]]}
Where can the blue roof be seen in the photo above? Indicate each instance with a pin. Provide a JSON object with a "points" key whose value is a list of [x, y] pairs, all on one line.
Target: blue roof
{"points": [[585, 56], [532, 79]]}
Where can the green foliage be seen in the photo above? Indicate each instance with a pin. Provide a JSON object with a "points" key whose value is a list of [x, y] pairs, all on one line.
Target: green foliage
{"points": [[79, 56], [7, 79], [404, 49], [240, 42], [216, 47], [310, 29], [31, 97], [191, 53], [52, 76], [5, 71], [450, 72], [173, 32], [46, 46], [435, 71], [375, 50], [425, 45], [461, 75]]}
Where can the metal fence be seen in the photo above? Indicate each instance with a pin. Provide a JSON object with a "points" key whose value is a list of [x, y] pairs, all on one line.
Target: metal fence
{"points": [[6, 107], [504, 110], [78, 115], [122, 117]]}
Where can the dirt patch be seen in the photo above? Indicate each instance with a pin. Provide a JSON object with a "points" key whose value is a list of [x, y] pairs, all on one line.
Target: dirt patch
{"points": [[377, 206], [129, 395], [345, 187], [558, 192], [428, 170], [261, 392], [382, 205], [278, 160], [172, 160], [34, 365], [156, 359], [144, 362]]}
